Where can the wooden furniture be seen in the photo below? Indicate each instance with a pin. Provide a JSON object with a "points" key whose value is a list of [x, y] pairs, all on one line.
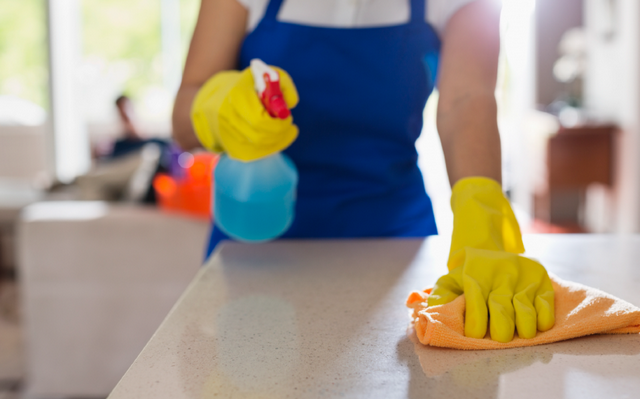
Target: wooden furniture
{"points": [[576, 158], [307, 319]]}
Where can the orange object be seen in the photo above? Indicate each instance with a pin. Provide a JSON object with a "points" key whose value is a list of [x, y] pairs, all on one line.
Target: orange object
{"points": [[192, 193], [580, 311]]}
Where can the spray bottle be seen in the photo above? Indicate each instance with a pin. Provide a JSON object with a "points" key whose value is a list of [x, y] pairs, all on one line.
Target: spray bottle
{"points": [[255, 201]]}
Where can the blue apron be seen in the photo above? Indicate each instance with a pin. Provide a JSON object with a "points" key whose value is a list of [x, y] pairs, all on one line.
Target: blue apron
{"points": [[362, 95]]}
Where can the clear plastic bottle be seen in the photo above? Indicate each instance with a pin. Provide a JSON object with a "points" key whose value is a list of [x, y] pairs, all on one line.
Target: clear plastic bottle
{"points": [[255, 201]]}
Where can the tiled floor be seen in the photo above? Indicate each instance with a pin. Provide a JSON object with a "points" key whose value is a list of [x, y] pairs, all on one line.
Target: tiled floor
{"points": [[11, 347]]}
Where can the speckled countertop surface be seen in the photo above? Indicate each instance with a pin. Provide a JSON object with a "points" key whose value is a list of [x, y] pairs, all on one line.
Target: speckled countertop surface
{"points": [[312, 319]]}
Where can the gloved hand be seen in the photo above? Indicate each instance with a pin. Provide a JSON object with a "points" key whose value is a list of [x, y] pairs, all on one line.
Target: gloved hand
{"points": [[228, 116], [500, 286]]}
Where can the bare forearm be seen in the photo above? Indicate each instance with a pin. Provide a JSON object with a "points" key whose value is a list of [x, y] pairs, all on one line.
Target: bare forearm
{"points": [[214, 47], [183, 132], [467, 111], [470, 139]]}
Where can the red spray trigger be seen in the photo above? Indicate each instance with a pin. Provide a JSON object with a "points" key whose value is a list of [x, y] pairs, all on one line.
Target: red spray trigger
{"points": [[273, 99]]}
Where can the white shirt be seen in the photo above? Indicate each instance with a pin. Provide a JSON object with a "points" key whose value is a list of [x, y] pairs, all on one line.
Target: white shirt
{"points": [[353, 13]]}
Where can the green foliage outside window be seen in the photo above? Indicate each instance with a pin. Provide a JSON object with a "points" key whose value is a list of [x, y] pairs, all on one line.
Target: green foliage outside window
{"points": [[126, 31], [129, 31], [23, 50]]}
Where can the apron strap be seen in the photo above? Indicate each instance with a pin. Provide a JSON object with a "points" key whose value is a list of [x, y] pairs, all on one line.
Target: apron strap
{"points": [[271, 13], [418, 15]]}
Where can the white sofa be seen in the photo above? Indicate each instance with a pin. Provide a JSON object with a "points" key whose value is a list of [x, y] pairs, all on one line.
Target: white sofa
{"points": [[22, 152], [22, 170], [97, 280]]}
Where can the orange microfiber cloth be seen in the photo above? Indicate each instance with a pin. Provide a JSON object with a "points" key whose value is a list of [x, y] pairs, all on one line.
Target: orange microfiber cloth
{"points": [[580, 311]]}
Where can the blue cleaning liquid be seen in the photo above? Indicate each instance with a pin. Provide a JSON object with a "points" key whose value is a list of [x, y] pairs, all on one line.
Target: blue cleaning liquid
{"points": [[255, 201]]}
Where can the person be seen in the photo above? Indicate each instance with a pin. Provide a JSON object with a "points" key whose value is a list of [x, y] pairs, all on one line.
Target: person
{"points": [[120, 160], [130, 139], [357, 75]]}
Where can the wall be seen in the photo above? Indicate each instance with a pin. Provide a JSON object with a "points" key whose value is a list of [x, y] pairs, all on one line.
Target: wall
{"points": [[553, 18], [612, 93]]}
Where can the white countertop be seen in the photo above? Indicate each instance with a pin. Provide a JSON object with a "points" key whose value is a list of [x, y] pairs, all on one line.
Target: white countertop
{"points": [[327, 319]]}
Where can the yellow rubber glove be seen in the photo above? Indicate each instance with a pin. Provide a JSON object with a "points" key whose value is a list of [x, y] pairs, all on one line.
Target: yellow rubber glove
{"points": [[500, 286], [228, 116]]}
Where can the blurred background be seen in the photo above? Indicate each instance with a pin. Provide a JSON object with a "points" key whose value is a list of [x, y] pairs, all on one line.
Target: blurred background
{"points": [[92, 191]]}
